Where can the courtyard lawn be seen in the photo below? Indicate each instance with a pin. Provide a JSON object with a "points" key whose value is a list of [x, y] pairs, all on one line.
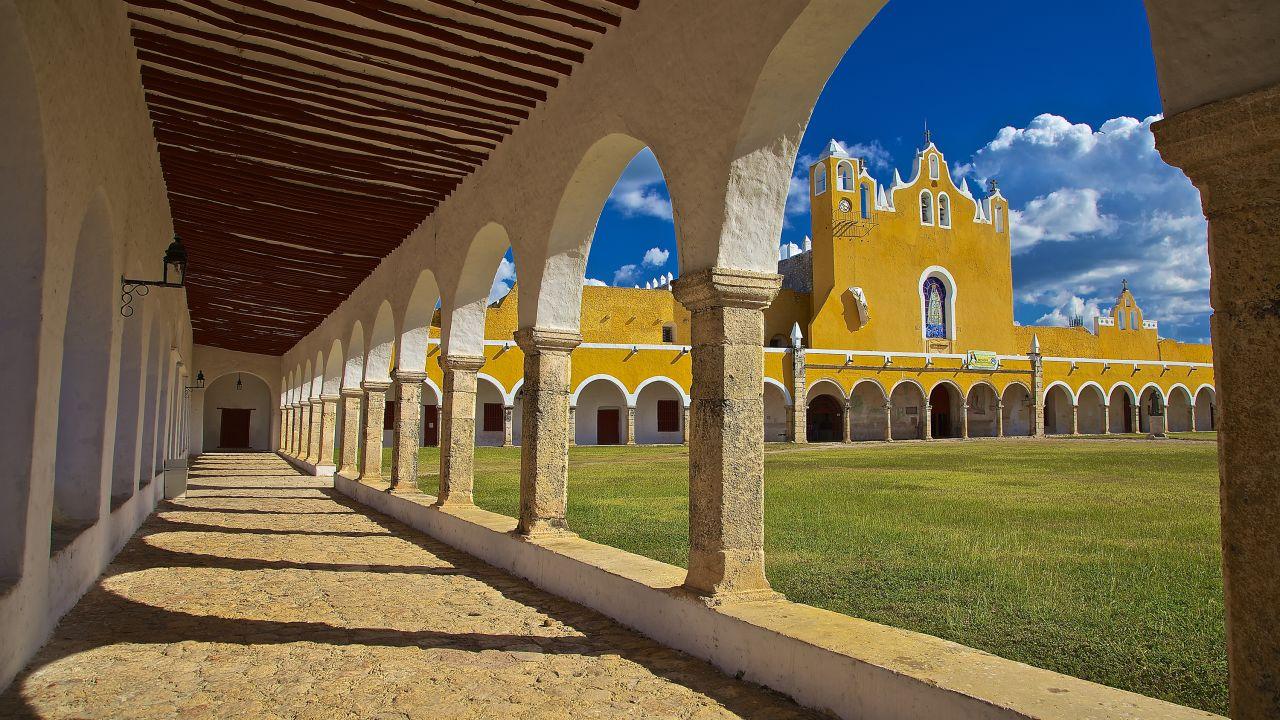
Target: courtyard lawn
{"points": [[1097, 559]]}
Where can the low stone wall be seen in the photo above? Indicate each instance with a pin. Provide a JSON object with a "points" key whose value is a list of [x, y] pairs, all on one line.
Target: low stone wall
{"points": [[825, 660]]}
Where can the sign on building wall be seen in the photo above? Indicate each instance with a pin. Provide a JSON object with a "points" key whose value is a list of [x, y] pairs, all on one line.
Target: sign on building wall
{"points": [[982, 360]]}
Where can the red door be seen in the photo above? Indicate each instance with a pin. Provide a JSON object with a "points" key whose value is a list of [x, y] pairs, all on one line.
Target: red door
{"points": [[607, 427], [234, 432], [431, 425]]}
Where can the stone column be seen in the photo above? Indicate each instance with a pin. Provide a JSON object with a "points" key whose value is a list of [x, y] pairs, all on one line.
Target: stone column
{"points": [[1037, 393], [328, 421], [545, 430], [684, 424], [1135, 417], [284, 429], [847, 430], [927, 430], [631, 425], [1075, 419], [304, 445], [375, 406], [964, 421], [1106, 418], [313, 447], [299, 431], [291, 442], [1193, 416], [507, 430], [726, 442], [999, 417], [573, 426], [458, 429], [888, 421], [1229, 150], [800, 397], [350, 432], [408, 428]]}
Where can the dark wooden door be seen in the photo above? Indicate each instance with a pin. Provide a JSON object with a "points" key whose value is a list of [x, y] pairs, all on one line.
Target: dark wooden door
{"points": [[940, 412], [431, 425], [235, 428], [607, 427]]}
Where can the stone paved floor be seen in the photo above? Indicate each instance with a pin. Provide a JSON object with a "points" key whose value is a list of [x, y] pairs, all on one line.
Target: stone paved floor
{"points": [[262, 594]]}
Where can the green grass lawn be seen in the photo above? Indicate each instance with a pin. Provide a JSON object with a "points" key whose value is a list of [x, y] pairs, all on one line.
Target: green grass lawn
{"points": [[1096, 559]]}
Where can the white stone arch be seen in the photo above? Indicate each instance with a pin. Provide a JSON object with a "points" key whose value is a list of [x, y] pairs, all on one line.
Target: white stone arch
{"points": [[1206, 407], [845, 176], [353, 366], [490, 391], [777, 411], [645, 400], [1017, 409], [151, 423], [416, 333], [308, 380], [333, 368], [382, 340], [92, 322], [928, 212], [22, 205], [865, 406], [1181, 405], [907, 399], [1091, 419], [437, 396], [515, 389], [947, 421], [944, 210], [125, 458], [820, 180], [981, 406], [1059, 404], [254, 393], [949, 284], [317, 380], [817, 386], [464, 301], [594, 394], [786, 394]]}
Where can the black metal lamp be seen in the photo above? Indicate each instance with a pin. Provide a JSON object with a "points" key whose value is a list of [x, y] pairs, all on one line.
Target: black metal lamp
{"points": [[239, 385], [175, 264], [199, 383]]}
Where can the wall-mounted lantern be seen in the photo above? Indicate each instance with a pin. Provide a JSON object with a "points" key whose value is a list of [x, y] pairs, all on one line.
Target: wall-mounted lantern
{"points": [[173, 276], [186, 391], [239, 385]]}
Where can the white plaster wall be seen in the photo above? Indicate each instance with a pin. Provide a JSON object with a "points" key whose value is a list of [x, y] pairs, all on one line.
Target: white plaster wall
{"points": [[866, 410], [598, 394], [1179, 411], [905, 425], [1057, 411], [776, 415], [1206, 415], [222, 393], [1089, 415], [647, 414], [1017, 411], [982, 411]]}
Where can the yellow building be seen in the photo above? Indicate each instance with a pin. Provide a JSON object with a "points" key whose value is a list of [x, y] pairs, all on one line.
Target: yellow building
{"points": [[895, 322]]}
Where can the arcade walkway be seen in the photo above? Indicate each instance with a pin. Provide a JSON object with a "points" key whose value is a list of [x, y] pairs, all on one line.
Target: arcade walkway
{"points": [[264, 594]]}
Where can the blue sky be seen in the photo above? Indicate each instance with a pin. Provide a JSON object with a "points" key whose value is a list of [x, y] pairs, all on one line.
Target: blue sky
{"points": [[1056, 101]]}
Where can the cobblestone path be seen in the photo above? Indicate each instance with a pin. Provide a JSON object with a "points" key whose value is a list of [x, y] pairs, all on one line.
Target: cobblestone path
{"points": [[264, 594]]}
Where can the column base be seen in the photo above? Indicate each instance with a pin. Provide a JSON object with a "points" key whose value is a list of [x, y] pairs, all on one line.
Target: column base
{"points": [[543, 531], [731, 597], [404, 489], [325, 470], [454, 501]]}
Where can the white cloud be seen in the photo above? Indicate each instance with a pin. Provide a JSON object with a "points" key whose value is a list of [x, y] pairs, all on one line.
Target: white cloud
{"points": [[1090, 207], [1073, 306], [502, 281], [595, 282], [656, 257], [626, 275], [641, 189]]}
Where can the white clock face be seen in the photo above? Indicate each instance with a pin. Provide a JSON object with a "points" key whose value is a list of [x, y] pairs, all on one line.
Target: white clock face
{"points": [[845, 205]]}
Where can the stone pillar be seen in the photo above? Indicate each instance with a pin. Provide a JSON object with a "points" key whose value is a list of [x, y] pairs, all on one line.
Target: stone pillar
{"points": [[1037, 394], [573, 426], [888, 421], [283, 437], [350, 468], [999, 417], [1193, 416], [299, 431], [1228, 148], [726, 443], [313, 447], [927, 431], [458, 429], [408, 428], [1135, 417], [304, 444], [847, 430], [800, 397], [328, 421], [964, 421], [684, 424], [375, 406], [506, 425], [545, 430], [1075, 419], [1106, 418], [291, 445], [631, 425]]}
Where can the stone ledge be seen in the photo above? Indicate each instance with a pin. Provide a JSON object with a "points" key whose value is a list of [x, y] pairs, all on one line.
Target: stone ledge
{"points": [[850, 667], [307, 468]]}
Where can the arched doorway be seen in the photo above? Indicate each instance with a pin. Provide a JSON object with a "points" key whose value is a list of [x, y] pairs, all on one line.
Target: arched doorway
{"points": [[237, 413], [1121, 416], [1091, 416], [659, 414], [1206, 412], [824, 420], [777, 409], [866, 411], [944, 411], [1179, 410], [1058, 407], [906, 412], [982, 410], [1016, 410], [601, 414]]}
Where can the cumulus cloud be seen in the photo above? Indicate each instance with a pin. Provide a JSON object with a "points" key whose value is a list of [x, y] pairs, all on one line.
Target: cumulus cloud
{"points": [[1090, 207], [656, 257], [626, 275], [595, 282], [641, 189], [502, 281]]}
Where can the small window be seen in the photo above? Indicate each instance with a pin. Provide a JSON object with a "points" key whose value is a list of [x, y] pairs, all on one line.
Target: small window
{"points": [[1120, 318], [864, 199], [668, 416], [944, 210], [999, 215], [926, 208], [493, 417], [1133, 320], [933, 167], [668, 333], [844, 177], [819, 180]]}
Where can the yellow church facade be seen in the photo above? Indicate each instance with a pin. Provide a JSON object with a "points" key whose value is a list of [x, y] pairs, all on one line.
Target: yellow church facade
{"points": [[894, 323]]}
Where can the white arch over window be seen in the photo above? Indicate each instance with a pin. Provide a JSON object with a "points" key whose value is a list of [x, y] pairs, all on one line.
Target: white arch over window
{"points": [[944, 210], [434, 388], [926, 207], [573, 400], [873, 383], [844, 176], [1064, 386], [1184, 388], [515, 390], [1206, 386], [1164, 397], [684, 397], [933, 166], [502, 390], [949, 301], [838, 390], [1133, 396], [1095, 386], [785, 393], [820, 180]]}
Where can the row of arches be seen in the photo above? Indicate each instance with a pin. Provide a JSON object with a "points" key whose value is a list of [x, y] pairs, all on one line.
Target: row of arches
{"points": [[1091, 411], [868, 412]]}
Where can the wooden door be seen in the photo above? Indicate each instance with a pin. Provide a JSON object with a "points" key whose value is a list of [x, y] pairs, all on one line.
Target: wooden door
{"points": [[607, 427], [431, 425], [235, 428]]}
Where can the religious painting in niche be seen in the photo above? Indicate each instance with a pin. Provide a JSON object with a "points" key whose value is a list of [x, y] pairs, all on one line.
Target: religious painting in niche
{"points": [[935, 303]]}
